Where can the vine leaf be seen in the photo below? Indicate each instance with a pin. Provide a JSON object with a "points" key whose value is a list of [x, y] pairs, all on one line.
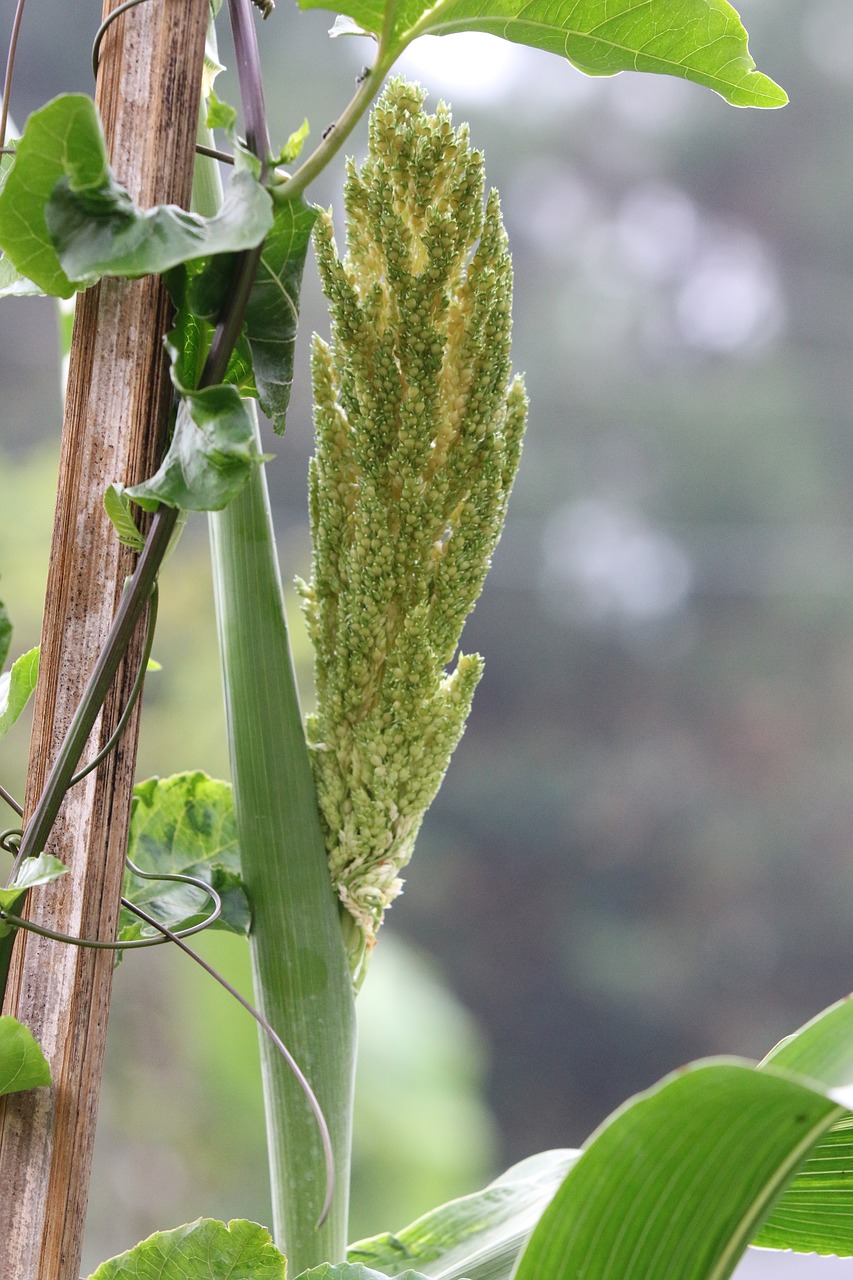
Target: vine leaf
{"points": [[12, 283], [699, 40], [272, 313], [188, 341], [201, 1250], [22, 1063], [117, 507], [184, 825], [65, 221], [16, 686], [475, 1234], [210, 457], [32, 872]]}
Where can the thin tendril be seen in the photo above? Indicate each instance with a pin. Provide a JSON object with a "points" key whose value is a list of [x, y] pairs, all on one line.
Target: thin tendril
{"points": [[105, 25], [132, 699], [10, 68], [11, 802], [132, 944]]}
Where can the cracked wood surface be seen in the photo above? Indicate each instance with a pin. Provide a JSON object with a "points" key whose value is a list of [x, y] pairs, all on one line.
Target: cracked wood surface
{"points": [[114, 429]]}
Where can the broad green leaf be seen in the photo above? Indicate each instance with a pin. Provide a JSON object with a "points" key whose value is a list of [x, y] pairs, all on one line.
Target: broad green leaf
{"points": [[65, 221], [117, 507], [188, 341], [202, 1250], [16, 686], [352, 1271], [478, 1236], [184, 825], [815, 1212], [210, 457], [57, 142], [22, 1063], [699, 40], [272, 313], [5, 633], [678, 1181], [12, 283], [100, 231], [32, 872]]}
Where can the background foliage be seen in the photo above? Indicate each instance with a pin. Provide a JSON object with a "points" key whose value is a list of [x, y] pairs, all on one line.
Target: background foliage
{"points": [[642, 850]]}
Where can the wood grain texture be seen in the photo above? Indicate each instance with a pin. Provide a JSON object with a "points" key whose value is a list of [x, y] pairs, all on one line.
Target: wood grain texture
{"points": [[114, 428]]}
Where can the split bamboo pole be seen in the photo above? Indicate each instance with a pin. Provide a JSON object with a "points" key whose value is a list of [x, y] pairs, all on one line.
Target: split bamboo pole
{"points": [[115, 418]]}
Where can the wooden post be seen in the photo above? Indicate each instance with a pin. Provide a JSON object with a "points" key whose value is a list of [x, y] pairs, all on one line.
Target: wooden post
{"points": [[115, 418]]}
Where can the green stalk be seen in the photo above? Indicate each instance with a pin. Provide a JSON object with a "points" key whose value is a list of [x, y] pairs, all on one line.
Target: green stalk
{"points": [[301, 976], [302, 981]]}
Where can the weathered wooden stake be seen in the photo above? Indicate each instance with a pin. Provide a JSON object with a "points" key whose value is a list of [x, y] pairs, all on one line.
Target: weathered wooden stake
{"points": [[116, 410]]}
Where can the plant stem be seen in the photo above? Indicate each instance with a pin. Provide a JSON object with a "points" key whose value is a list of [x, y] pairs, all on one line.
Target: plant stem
{"points": [[337, 133], [302, 980], [301, 975]]}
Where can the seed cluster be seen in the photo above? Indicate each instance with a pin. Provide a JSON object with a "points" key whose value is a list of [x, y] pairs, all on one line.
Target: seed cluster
{"points": [[418, 437]]}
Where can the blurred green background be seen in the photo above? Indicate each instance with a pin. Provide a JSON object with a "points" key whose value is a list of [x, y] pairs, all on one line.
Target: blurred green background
{"points": [[642, 852]]}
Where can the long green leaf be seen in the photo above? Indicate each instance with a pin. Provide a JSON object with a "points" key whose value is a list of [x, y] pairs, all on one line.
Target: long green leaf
{"points": [[815, 1213], [300, 966], [699, 40], [478, 1236], [202, 1250], [22, 1063], [677, 1182], [16, 688], [65, 220], [184, 825]]}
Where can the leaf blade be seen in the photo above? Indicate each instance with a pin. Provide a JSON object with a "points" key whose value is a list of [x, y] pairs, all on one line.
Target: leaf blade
{"points": [[478, 1236], [16, 688], [678, 1180], [699, 40]]}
